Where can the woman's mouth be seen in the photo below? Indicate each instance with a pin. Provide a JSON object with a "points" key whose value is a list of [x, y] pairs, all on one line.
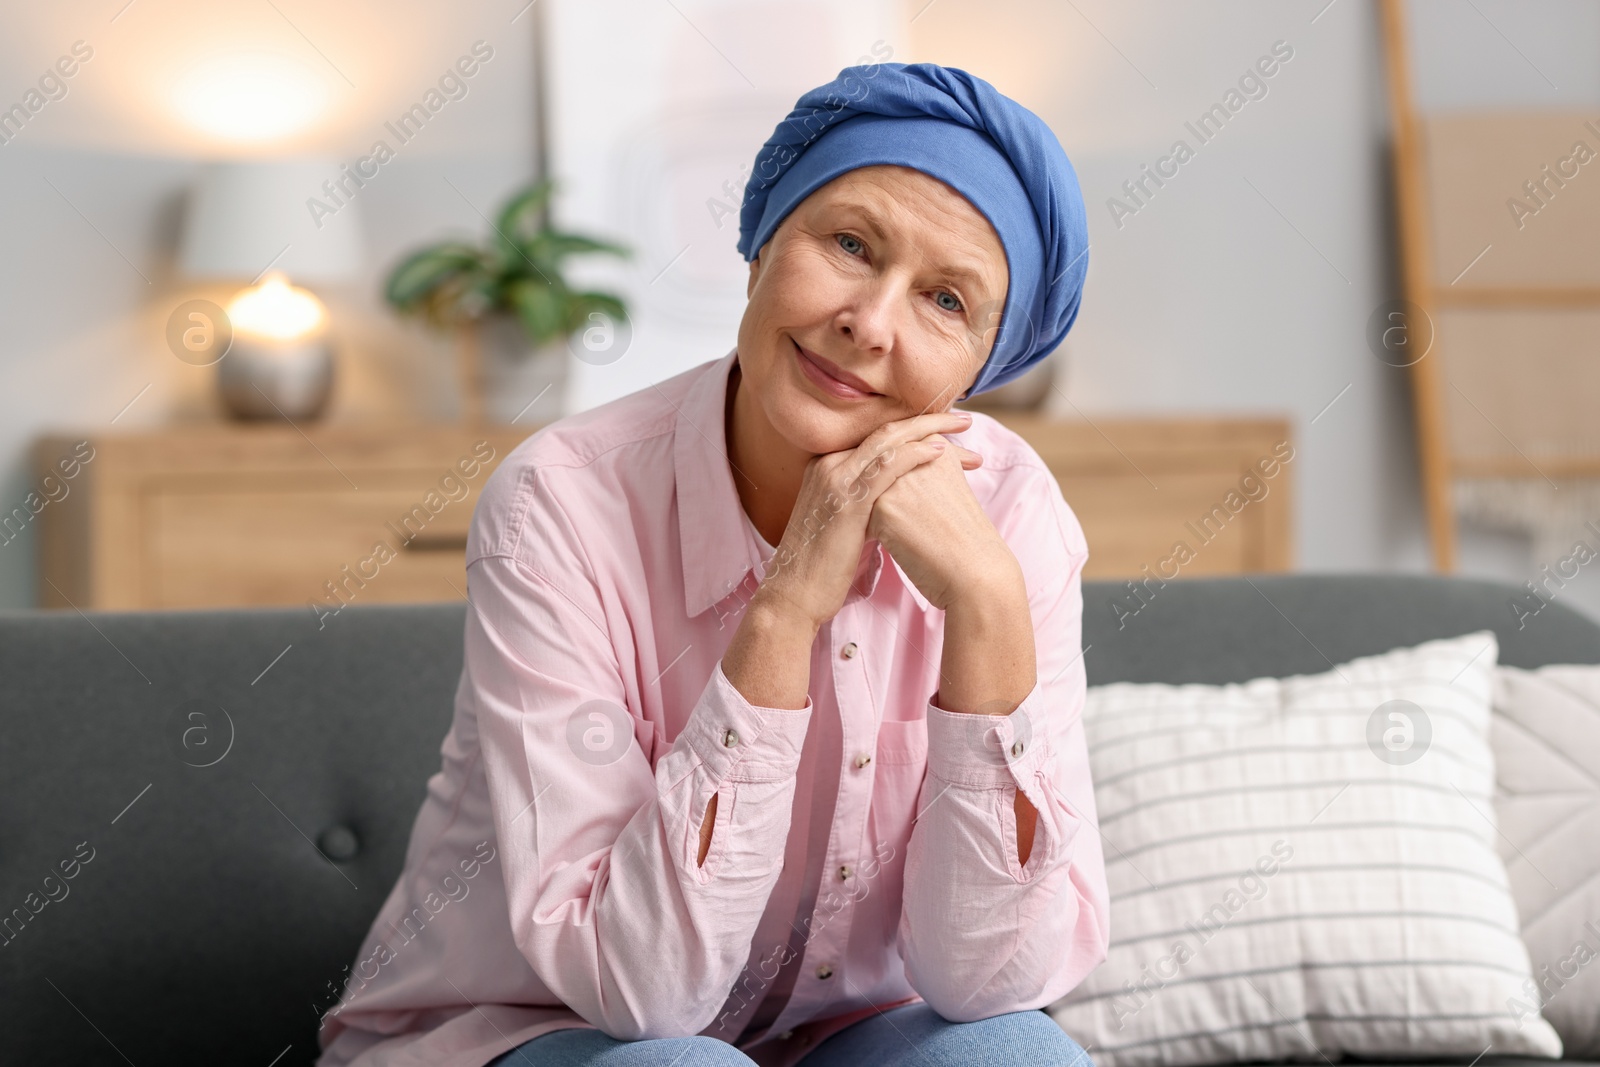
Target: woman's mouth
{"points": [[814, 368]]}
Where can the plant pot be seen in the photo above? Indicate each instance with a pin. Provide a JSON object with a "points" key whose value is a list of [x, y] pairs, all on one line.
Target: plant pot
{"points": [[507, 380]]}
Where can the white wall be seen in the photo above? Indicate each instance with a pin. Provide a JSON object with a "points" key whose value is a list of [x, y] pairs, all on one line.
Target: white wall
{"points": [[1242, 286]]}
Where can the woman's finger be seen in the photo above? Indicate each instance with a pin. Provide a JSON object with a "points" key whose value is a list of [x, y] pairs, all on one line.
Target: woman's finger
{"points": [[879, 471], [970, 460], [882, 442]]}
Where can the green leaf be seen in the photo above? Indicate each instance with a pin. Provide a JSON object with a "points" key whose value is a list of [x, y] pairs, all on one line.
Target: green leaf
{"points": [[518, 270], [519, 215], [525, 259], [540, 308], [423, 274], [559, 245]]}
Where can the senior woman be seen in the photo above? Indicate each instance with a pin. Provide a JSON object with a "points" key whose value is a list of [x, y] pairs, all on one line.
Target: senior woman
{"points": [[767, 745]]}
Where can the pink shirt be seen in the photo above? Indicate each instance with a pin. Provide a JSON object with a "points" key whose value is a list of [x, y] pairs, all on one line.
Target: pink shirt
{"points": [[864, 852]]}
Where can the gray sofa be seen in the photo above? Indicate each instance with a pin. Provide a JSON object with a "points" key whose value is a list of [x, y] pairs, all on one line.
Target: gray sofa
{"points": [[233, 790]]}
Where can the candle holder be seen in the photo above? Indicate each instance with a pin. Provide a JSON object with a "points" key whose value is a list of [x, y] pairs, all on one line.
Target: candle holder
{"points": [[271, 380], [280, 364]]}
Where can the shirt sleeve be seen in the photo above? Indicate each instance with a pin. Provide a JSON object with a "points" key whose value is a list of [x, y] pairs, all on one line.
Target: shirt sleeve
{"points": [[608, 903], [982, 935]]}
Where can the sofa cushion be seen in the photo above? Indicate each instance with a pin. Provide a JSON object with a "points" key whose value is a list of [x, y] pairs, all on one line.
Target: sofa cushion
{"points": [[1304, 865], [1546, 737]]}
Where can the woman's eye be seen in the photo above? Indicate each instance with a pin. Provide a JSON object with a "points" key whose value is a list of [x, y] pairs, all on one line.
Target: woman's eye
{"points": [[948, 301], [850, 244]]}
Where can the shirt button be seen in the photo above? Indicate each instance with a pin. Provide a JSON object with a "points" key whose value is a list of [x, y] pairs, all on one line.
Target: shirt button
{"points": [[844, 871], [786, 1035], [1017, 748], [824, 971], [730, 738], [848, 651], [862, 760]]}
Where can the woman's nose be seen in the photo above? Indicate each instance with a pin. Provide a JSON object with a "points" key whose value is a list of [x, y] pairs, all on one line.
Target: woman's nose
{"points": [[869, 317]]}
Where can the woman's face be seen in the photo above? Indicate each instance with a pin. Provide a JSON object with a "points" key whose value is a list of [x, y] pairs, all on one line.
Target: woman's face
{"points": [[886, 278]]}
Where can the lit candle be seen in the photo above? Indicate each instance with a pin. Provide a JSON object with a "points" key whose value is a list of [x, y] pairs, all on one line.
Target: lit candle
{"points": [[275, 311]]}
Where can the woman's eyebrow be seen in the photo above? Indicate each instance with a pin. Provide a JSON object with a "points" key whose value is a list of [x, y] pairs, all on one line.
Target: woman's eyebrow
{"points": [[967, 278], [871, 218], [971, 279]]}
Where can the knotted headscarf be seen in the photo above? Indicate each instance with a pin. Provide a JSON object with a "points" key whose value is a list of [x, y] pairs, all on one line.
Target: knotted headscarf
{"points": [[960, 129]]}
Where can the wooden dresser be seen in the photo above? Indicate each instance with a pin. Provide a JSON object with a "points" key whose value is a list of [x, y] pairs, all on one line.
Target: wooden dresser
{"points": [[239, 514], [1140, 487], [232, 514]]}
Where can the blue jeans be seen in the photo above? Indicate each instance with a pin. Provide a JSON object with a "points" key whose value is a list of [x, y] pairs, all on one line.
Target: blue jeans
{"points": [[907, 1035]]}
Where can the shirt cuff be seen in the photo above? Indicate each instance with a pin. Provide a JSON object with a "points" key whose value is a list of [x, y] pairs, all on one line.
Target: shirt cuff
{"points": [[987, 751], [738, 741]]}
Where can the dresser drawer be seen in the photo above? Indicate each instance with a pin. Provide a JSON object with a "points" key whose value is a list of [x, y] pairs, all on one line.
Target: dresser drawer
{"points": [[210, 543]]}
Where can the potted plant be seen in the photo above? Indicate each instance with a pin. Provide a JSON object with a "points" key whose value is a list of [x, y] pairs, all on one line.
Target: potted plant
{"points": [[515, 280]]}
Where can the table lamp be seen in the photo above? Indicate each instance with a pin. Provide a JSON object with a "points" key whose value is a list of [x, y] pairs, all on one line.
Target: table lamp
{"points": [[267, 224]]}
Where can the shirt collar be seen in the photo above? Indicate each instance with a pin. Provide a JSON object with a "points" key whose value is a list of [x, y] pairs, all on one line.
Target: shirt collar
{"points": [[720, 546]]}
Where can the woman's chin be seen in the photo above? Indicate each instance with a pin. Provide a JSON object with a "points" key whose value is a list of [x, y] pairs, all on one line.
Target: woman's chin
{"points": [[810, 425]]}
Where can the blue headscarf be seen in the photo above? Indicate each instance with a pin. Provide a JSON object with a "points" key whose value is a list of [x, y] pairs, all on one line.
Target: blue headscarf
{"points": [[960, 129]]}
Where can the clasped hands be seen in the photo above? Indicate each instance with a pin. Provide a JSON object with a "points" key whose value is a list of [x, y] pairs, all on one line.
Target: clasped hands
{"points": [[904, 486]]}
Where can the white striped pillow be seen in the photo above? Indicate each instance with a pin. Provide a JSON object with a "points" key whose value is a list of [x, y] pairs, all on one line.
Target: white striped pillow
{"points": [[1305, 866]]}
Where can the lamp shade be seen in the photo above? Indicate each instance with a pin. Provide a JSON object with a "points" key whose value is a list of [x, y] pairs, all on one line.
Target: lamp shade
{"points": [[247, 215]]}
